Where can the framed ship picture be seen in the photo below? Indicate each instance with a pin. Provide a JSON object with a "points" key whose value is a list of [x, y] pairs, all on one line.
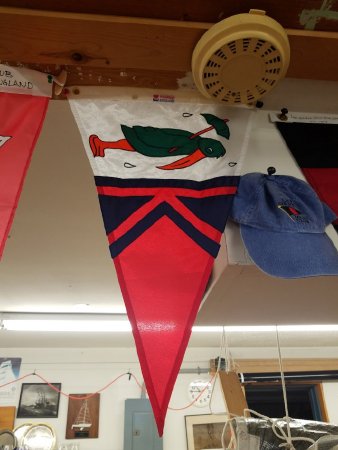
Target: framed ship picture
{"points": [[83, 416], [39, 400]]}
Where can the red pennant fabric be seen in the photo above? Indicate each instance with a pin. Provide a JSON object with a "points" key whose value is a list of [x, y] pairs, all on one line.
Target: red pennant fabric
{"points": [[21, 119], [160, 342], [165, 177], [163, 253]]}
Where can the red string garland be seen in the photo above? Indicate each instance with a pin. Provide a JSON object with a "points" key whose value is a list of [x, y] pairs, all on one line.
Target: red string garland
{"points": [[86, 397]]}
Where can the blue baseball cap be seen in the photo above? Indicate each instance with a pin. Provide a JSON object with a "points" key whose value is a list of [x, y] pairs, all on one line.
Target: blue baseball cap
{"points": [[282, 223]]}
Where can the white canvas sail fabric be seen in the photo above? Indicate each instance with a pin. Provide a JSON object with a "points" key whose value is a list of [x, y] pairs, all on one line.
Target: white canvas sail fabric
{"points": [[107, 115]]}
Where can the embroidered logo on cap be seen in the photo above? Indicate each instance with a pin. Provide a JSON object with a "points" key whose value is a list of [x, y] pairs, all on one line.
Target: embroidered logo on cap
{"points": [[293, 213]]}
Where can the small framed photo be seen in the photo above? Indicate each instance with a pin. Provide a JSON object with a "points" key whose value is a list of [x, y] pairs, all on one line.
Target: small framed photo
{"points": [[39, 400], [205, 431]]}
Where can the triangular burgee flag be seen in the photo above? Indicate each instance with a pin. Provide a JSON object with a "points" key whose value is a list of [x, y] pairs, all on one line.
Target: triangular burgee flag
{"points": [[21, 119], [314, 147], [165, 176]]}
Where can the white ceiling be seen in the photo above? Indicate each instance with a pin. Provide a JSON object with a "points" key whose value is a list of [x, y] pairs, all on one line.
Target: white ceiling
{"points": [[57, 257]]}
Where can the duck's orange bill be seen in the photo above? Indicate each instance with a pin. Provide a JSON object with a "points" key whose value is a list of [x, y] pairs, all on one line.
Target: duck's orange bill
{"points": [[184, 162]]}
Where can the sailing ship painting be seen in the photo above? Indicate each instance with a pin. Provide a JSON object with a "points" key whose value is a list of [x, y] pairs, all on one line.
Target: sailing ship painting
{"points": [[83, 416], [83, 420], [39, 400]]}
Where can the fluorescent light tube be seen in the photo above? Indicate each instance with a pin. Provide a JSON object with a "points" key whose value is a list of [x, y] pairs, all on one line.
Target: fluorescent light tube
{"points": [[84, 326], [87, 323], [264, 328]]}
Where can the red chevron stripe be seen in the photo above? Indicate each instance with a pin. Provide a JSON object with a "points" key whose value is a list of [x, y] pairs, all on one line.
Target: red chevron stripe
{"points": [[161, 195], [136, 192], [134, 218], [201, 226]]}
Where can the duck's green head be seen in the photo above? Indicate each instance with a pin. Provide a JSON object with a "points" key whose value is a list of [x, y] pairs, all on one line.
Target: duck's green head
{"points": [[202, 148], [211, 148]]}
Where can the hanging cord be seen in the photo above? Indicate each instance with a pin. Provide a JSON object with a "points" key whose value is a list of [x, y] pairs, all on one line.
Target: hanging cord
{"points": [[275, 423], [288, 443], [228, 362], [195, 399], [17, 380], [276, 427], [230, 365], [73, 397], [222, 348], [86, 397], [232, 444]]}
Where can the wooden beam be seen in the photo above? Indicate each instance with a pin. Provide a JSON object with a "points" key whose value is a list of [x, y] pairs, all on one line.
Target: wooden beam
{"points": [[98, 41], [289, 13], [314, 55], [121, 77], [233, 394], [289, 365], [95, 43]]}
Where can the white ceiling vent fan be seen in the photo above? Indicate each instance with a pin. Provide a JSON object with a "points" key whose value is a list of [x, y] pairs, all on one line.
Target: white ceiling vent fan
{"points": [[241, 58]]}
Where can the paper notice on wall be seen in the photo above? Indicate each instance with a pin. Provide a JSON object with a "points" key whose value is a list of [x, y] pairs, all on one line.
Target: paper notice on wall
{"points": [[304, 118], [19, 80], [9, 373]]}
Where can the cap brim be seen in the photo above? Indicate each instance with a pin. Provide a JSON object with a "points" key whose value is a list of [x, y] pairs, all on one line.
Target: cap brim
{"points": [[291, 255]]}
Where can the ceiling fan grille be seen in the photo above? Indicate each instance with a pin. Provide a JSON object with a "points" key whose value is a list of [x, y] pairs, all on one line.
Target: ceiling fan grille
{"points": [[239, 70]]}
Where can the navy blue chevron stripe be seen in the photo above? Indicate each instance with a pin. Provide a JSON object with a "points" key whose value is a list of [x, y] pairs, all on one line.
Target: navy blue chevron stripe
{"points": [[116, 210], [161, 210], [212, 210], [151, 182]]}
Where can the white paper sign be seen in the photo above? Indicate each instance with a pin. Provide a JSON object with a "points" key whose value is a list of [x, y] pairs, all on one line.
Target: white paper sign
{"points": [[19, 80], [304, 118], [9, 372]]}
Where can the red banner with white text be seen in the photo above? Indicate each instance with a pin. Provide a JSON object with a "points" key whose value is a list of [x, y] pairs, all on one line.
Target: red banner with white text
{"points": [[21, 119]]}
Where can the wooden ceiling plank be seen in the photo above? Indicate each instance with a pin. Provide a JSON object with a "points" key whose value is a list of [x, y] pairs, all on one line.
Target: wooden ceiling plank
{"points": [[314, 55], [99, 41], [93, 76], [115, 43], [289, 13]]}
